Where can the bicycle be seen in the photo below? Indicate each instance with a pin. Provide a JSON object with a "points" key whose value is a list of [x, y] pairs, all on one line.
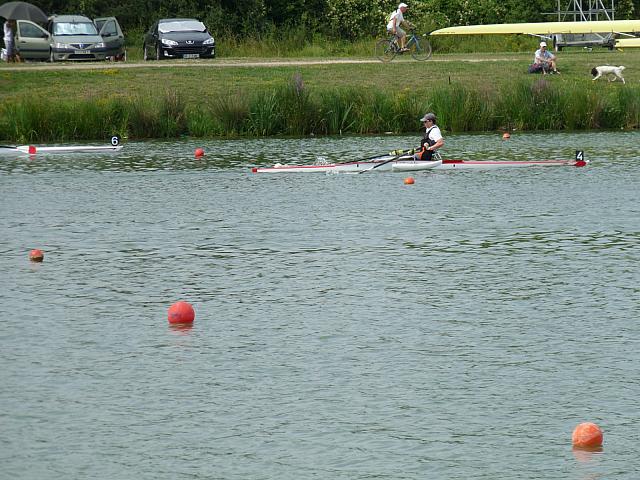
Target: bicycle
{"points": [[419, 47]]}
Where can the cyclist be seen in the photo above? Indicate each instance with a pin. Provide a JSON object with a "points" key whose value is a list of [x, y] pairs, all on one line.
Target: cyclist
{"points": [[432, 139], [394, 26]]}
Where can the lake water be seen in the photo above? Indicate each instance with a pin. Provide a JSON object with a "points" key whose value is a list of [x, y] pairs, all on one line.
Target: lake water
{"points": [[347, 326]]}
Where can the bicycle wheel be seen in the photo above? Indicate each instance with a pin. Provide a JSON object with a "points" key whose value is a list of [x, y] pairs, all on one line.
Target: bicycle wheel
{"points": [[420, 49], [385, 50]]}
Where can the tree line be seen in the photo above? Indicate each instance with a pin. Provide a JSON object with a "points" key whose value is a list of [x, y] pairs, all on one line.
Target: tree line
{"points": [[339, 19]]}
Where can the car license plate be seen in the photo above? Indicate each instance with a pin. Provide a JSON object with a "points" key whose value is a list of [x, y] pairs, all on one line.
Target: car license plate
{"points": [[81, 52], [191, 55]]}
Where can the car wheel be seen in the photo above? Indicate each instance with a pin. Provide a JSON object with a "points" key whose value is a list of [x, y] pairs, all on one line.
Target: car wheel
{"points": [[158, 52], [145, 56]]}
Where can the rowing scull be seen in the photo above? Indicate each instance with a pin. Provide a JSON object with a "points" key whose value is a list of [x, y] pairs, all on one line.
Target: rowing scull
{"points": [[407, 164]]}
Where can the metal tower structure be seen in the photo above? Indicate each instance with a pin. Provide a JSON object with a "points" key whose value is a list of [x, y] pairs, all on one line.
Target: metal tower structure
{"points": [[585, 11]]}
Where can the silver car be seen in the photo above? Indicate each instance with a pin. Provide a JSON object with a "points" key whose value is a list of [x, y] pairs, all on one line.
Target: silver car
{"points": [[70, 37], [74, 37]]}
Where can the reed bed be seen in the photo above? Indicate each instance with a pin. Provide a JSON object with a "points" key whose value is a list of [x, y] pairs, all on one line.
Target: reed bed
{"points": [[293, 109]]}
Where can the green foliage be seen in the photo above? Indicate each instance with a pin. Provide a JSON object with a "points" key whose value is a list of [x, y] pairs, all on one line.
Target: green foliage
{"points": [[293, 109], [356, 18], [230, 113], [338, 110], [338, 19]]}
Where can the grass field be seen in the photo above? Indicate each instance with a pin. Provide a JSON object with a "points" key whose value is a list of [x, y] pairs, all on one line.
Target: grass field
{"points": [[199, 79], [479, 87]]}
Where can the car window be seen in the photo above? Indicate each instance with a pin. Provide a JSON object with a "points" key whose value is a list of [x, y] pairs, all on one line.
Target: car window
{"points": [[76, 28], [109, 28], [27, 30], [182, 26]]}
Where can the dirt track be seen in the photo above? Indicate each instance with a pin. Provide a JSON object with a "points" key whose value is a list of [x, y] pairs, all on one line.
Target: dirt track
{"points": [[30, 66]]}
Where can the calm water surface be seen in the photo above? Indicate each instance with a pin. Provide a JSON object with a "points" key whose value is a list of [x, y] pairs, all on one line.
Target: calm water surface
{"points": [[347, 326]]}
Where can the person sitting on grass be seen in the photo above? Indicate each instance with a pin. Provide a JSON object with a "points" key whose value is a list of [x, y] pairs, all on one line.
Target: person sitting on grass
{"points": [[544, 61], [394, 26]]}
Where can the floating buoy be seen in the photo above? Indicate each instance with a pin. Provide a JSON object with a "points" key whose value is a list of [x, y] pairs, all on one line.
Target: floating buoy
{"points": [[506, 136], [409, 181], [181, 313], [199, 152], [36, 255], [32, 150], [587, 435]]}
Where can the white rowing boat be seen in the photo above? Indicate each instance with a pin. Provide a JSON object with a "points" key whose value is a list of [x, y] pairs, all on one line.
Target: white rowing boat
{"points": [[33, 150], [491, 164], [387, 163], [407, 164]]}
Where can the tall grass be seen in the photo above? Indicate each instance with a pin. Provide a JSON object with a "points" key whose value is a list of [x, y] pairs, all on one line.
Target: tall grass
{"points": [[293, 109], [275, 43]]}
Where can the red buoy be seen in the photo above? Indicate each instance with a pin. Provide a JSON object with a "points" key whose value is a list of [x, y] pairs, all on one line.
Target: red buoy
{"points": [[409, 181], [181, 313], [32, 150], [199, 152], [587, 435], [36, 255]]}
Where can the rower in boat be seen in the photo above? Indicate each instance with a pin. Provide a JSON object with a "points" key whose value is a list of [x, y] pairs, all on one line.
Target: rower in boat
{"points": [[432, 140]]}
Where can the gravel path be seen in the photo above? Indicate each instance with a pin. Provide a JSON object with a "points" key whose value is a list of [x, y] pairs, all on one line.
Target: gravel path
{"points": [[232, 63]]}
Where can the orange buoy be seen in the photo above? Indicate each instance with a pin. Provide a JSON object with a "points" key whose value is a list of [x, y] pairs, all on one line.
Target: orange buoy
{"points": [[181, 313], [587, 435], [199, 152], [409, 181], [506, 136], [36, 255]]}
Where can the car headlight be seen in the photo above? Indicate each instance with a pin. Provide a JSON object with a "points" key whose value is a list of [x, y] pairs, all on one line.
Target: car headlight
{"points": [[99, 45], [62, 46], [169, 43], [209, 41]]}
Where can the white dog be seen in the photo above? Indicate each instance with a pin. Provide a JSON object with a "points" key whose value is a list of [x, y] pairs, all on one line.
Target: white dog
{"points": [[611, 72]]}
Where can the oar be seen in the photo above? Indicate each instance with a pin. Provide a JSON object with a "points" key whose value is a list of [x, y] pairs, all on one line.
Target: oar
{"points": [[381, 163], [392, 152]]}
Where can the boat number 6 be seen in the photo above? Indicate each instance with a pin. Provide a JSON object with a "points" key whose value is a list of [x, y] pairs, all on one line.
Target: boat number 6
{"points": [[579, 155], [115, 140]]}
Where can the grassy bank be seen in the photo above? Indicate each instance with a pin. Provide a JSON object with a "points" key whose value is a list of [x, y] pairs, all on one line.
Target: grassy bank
{"points": [[470, 93], [296, 43]]}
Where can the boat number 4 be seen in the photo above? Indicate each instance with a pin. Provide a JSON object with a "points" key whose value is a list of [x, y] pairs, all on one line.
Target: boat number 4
{"points": [[579, 156], [115, 140]]}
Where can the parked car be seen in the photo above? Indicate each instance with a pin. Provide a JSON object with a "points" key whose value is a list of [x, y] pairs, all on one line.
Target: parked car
{"points": [[74, 37], [70, 37], [32, 41], [178, 38], [113, 38]]}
